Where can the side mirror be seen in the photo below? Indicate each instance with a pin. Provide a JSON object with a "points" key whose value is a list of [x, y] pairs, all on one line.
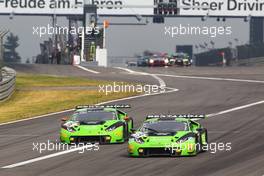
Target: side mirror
{"points": [[64, 119], [126, 118], [200, 130]]}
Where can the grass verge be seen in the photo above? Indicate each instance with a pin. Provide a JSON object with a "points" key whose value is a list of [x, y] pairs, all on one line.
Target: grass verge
{"points": [[33, 96]]}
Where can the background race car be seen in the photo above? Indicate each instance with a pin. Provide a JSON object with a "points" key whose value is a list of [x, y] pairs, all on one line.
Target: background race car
{"points": [[158, 61], [143, 61], [170, 135], [153, 59], [103, 124], [181, 59]]}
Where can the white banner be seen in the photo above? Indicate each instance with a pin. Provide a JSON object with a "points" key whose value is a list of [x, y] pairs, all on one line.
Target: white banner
{"points": [[41, 6], [222, 7], [63, 7], [129, 10]]}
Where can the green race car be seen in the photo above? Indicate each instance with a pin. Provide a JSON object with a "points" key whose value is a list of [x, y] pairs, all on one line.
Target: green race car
{"points": [[97, 124], [168, 135]]}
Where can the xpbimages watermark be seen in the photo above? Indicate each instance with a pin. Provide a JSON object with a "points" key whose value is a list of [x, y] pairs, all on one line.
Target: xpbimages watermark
{"points": [[41, 147], [41, 31], [212, 147], [212, 31], [128, 88]]}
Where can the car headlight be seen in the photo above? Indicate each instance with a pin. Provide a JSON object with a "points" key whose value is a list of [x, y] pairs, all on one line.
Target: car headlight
{"points": [[137, 137], [139, 140], [166, 61], [151, 61], [70, 126], [70, 129], [114, 126], [111, 129], [182, 140]]}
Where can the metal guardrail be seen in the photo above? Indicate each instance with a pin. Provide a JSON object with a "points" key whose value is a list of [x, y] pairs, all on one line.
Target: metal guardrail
{"points": [[1, 77], [8, 83]]}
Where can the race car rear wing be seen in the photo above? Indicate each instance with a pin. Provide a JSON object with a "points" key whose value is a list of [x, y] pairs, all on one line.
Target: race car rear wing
{"points": [[102, 106], [174, 116]]}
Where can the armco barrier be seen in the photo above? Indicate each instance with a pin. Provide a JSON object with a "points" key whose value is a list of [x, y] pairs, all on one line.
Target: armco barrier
{"points": [[1, 78], [8, 83]]}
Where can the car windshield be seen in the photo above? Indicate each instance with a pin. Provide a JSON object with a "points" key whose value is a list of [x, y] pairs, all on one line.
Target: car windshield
{"points": [[143, 58], [157, 58], [164, 127], [93, 116], [182, 56]]}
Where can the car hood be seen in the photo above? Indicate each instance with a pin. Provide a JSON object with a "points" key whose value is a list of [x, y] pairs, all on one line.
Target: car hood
{"points": [[94, 128], [160, 137]]}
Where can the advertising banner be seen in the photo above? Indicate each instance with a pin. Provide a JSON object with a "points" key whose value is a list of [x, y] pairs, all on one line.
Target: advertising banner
{"points": [[74, 7], [222, 7]]}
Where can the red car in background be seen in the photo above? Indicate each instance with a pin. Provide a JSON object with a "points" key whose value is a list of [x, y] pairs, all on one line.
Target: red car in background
{"points": [[158, 61]]}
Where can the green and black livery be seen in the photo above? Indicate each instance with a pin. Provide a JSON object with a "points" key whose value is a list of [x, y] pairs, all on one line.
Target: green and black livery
{"points": [[168, 135], [104, 124]]}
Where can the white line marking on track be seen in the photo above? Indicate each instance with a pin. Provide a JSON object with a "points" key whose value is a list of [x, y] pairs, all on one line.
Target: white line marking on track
{"points": [[194, 77], [161, 81], [211, 78], [126, 69], [205, 78], [44, 157], [88, 70], [235, 109]]}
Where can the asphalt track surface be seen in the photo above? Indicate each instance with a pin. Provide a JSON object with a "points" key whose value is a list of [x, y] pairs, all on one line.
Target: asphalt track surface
{"points": [[244, 128]]}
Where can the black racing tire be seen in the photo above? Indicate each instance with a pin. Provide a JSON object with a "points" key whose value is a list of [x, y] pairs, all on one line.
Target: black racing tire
{"points": [[206, 139], [198, 144], [199, 141], [132, 126], [125, 132], [61, 141], [132, 122], [206, 135]]}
